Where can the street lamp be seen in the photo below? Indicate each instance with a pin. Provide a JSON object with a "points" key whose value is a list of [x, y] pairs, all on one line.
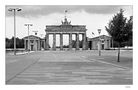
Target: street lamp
{"points": [[14, 13], [99, 43], [28, 25]]}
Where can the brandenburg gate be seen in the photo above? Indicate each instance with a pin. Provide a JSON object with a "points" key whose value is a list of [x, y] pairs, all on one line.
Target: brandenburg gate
{"points": [[65, 28]]}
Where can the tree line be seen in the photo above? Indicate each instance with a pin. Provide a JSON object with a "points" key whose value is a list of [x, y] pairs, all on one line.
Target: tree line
{"points": [[20, 43], [10, 43]]}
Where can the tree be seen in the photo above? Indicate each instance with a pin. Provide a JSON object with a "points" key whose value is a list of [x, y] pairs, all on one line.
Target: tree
{"points": [[119, 29], [129, 27], [10, 43]]}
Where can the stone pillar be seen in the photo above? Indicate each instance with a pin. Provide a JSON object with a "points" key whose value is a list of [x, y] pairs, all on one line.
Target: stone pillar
{"points": [[61, 41], [47, 42], [35, 45], [84, 41], [77, 41], [70, 41], [54, 41], [39, 44]]}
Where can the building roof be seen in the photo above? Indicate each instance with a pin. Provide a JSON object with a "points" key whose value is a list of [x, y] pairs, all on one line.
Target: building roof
{"points": [[31, 36], [101, 37]]}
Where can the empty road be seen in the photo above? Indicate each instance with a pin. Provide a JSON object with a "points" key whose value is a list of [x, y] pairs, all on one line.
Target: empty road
{"points": [[68, 68]]}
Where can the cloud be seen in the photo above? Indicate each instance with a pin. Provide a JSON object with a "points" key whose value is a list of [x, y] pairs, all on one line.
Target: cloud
{"points": [[42, 10]]}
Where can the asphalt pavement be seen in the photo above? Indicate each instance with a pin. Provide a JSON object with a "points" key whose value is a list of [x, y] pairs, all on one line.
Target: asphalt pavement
{"points": [[69, 68]]}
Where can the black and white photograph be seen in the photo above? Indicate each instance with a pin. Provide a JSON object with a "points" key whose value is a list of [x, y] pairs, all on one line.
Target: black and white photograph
{"points": [[69, 44]]}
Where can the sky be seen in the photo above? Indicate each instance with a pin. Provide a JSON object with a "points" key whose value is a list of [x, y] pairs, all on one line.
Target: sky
{"points": [[93, 16]]}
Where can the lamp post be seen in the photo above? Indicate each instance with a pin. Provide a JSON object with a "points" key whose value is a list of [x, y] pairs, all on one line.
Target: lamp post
{"points": [[99, 43], [14, 13], [28, 25]]}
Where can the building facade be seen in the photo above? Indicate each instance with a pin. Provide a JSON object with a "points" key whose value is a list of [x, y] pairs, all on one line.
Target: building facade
{"points": [[68, 29], [33, 43], [105, 42]]}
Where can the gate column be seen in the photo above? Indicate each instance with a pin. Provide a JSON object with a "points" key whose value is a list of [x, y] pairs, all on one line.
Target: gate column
{"points": [[54, 41], [61, 41], [77, 41], [84, 41], [70, 41], [47, 42]]}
